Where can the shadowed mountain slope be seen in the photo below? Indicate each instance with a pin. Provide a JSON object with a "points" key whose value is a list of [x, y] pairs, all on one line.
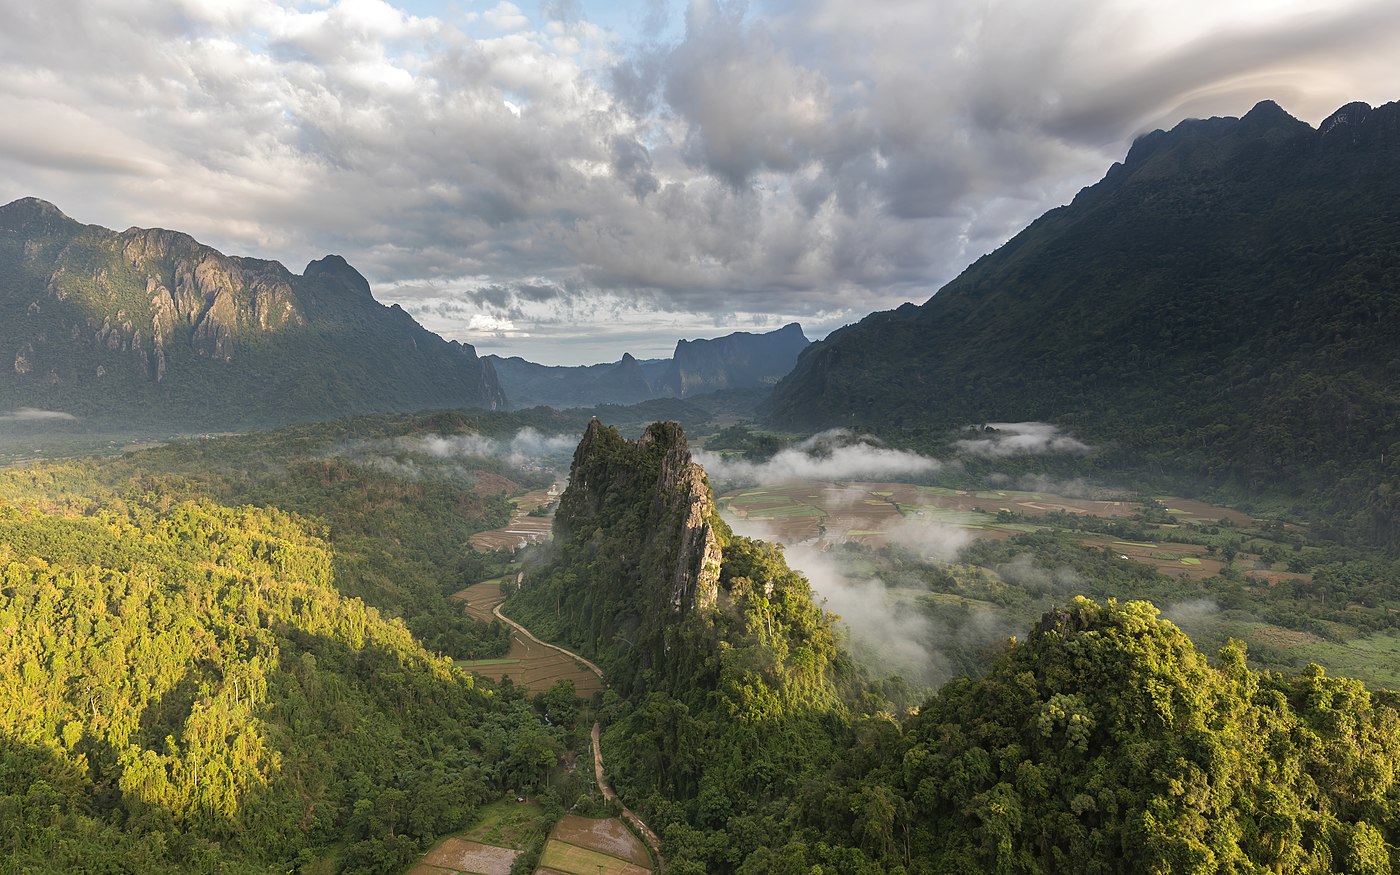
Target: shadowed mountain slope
{"points": [[1224, 301]]}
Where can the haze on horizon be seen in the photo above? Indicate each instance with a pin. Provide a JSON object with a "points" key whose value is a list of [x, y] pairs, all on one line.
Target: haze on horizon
{"points": [[572, 179]]}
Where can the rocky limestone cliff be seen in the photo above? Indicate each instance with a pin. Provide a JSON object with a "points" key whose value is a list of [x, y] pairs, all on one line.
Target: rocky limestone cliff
{"points": [[529, 384], [681, 549], [736, 361]]}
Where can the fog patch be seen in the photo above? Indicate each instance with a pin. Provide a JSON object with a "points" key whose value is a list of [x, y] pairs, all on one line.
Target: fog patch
{"points": [[1023, 572], [1001, 439], [886, 629], [35, 414], [838, 454], [939, 542], [1074, 487], [1192, 613], [527, 448], [453, 457]]}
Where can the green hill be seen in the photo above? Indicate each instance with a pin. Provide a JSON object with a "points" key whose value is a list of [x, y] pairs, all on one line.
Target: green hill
{"points": [[1223, 303], [185, 688]]}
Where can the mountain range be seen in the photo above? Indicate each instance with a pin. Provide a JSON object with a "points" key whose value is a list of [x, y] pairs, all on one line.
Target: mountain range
{"points": [[1224, 301], [150, 329], [736, 361], [148, 326]]}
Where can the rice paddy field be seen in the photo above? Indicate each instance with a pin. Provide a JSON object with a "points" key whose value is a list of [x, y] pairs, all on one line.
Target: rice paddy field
{"points": [[522, 529], [563, 857], [489, 847], [528, 664], [609, 836]]}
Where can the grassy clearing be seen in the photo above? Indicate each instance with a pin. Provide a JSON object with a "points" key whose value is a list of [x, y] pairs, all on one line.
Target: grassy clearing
{"points": [[1374, 659], [505, 823]]}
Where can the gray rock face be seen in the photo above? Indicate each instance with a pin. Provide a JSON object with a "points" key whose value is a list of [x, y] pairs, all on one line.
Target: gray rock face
{"points": [[181, 332]]}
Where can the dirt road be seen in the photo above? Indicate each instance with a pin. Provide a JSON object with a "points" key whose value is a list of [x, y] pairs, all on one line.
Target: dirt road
{"points": [[650, 837]]}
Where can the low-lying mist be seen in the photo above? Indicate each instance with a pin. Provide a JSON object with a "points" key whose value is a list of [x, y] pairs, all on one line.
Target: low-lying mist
{"points": [[35, 414], [528, 452], [890, 628], [1002, 439], [838, 454]]}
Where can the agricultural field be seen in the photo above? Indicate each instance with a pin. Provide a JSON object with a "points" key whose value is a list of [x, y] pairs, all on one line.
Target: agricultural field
{"points": [[880, 513], [489, 847], [454, 856], [523, 528], [978, 566], [528, 664], [573, 860], [604, 835]]}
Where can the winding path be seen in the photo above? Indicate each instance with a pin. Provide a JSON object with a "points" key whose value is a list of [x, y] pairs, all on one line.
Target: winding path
{"points": [[648, 835], [651, 838]]}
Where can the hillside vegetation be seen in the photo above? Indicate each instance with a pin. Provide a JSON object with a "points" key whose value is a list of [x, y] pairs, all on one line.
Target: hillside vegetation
{"points": [[1104, 742], [235, 655]]}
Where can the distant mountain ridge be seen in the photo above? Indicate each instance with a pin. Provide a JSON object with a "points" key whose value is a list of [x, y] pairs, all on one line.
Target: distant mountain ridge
{"points": [[1226, 301], [740, 360], [149, 326]]}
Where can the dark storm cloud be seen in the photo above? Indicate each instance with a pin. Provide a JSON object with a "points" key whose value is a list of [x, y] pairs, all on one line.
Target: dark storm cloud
{"points": [[501, 177]]}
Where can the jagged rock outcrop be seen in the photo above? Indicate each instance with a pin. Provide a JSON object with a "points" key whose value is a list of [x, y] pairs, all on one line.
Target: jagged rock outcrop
{"points": [[635, 578], [680, 545], [150, 326]]}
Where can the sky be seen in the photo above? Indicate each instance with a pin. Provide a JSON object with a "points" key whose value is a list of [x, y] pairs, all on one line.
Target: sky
{"points": [[571, 179]]}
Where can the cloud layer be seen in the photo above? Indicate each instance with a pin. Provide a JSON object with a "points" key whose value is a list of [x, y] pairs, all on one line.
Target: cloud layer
{"points": [[838, 454], [1002, 439], [34, 414], [525, 178]]}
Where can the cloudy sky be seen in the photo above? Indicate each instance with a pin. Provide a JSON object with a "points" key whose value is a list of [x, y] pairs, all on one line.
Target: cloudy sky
{"points": [[569, 179]]}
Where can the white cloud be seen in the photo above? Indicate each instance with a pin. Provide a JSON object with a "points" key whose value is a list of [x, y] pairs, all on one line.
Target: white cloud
{"points": [[1000, 439], [505, 16], [34, 414], [817, 159], [837, 454]]}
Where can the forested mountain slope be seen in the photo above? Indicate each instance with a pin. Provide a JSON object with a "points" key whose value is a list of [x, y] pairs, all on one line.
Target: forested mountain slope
{"points": [[182, 688], [148, 327], [1223, 302], [233, 654]]}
